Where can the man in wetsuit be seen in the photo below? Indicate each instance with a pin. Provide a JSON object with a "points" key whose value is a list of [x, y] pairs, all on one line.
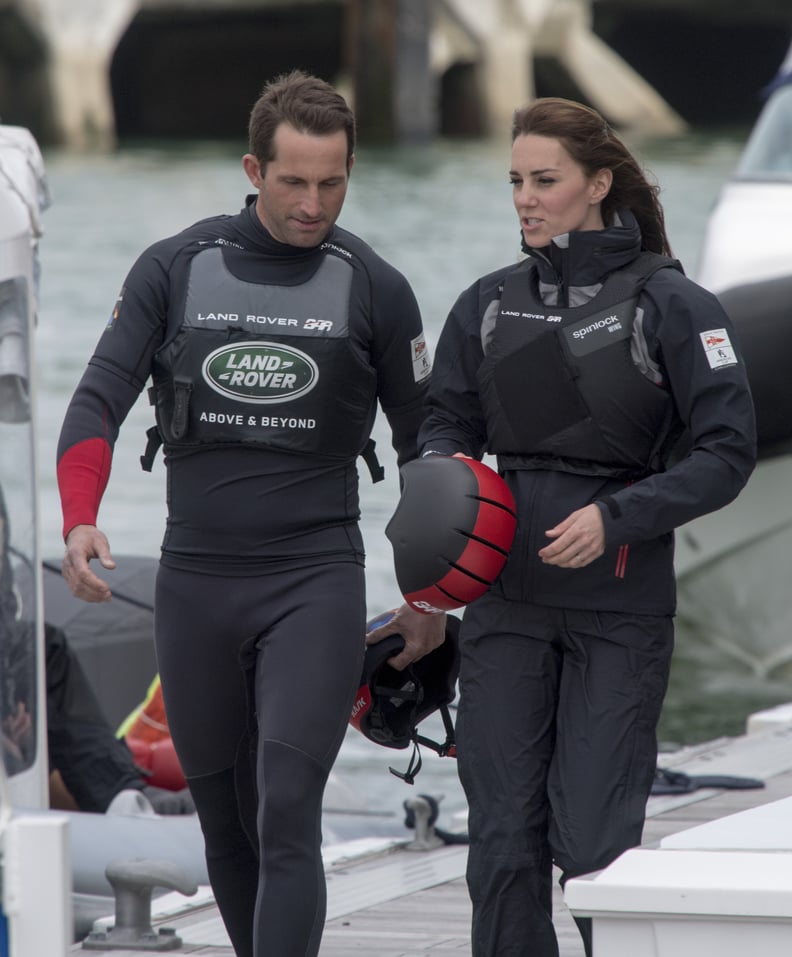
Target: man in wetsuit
{"points": [[270, 336]]}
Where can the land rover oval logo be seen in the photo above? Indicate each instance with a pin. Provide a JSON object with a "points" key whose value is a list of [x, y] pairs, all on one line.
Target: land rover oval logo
{"points": [[260, 372]]}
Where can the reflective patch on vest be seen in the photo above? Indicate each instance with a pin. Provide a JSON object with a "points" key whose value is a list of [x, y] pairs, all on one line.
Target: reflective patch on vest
{"points": [[600, 330], [420, 358], [718, 348], [318, 308], [260, 372]]}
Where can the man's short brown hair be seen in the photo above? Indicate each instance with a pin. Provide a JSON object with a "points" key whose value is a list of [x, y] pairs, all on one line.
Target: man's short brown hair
{"points": [[307, 104]]}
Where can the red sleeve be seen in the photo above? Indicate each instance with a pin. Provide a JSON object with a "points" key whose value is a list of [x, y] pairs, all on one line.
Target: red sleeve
{"points": [[83, 472]]}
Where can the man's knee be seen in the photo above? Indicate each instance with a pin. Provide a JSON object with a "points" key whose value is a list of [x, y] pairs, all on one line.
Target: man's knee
{"points": [[291, 785]]}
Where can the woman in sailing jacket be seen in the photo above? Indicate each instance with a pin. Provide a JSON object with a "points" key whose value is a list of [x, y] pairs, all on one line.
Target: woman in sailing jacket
{"points": [[612, 391]]}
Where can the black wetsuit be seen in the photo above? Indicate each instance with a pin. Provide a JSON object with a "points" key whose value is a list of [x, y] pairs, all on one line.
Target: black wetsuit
{"points": [[564, 670], [260, 603]]}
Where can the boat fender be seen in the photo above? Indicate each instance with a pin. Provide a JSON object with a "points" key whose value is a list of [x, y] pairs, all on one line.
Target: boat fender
{"points": [[158, 763]]}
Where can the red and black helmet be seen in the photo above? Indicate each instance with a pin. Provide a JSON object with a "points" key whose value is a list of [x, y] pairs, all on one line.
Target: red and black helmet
{"points": [[390, 704], [451, 531]]}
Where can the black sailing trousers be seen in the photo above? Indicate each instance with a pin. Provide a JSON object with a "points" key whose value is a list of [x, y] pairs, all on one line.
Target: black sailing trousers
{"points": [[557, 750], [258, 676]]}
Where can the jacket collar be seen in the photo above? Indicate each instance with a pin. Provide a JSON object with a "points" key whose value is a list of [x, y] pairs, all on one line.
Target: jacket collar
{"points": [[585, 258]]}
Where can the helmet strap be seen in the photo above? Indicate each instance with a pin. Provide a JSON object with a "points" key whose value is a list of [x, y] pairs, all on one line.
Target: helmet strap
{"points": [[413, 767], [448, 748], [449, 745]]}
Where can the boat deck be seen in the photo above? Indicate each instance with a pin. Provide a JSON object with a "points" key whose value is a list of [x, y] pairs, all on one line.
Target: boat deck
{"points": [[402, 903]]}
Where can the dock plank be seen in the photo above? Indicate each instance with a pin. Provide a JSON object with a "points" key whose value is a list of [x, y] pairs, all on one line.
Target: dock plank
{"points": [[432, 922], [435, 919]]}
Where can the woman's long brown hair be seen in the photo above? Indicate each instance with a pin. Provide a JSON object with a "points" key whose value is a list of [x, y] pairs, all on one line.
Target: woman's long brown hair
{"points": [[593, 145]]}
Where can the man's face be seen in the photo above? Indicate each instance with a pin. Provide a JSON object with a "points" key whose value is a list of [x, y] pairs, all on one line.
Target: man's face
{"points": [[302, 190]]}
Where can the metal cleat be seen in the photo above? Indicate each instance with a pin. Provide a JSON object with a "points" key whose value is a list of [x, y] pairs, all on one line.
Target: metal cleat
{"points": [[133, 883], [422, 814]]}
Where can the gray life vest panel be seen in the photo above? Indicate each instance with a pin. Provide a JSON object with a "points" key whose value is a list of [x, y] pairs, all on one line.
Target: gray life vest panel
{"points": [[264, 365], [559, 386]]}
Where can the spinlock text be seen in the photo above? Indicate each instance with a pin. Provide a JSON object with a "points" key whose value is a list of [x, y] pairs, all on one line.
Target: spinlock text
{"points": [[611, 323]]}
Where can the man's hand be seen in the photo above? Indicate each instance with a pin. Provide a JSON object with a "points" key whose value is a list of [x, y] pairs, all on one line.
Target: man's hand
{"points": [[83, 543], [578, 540], [421, 633]]}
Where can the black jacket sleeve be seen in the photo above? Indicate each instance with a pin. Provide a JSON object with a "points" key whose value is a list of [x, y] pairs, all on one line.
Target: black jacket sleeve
{"points": [[400, 356], [455, 421], [713, 402]]}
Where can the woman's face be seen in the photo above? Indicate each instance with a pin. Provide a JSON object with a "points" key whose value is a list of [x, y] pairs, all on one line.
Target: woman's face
{"points": [[552, 194]]}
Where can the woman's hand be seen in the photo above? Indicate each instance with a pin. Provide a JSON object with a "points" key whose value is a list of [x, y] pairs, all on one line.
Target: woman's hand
{"points": [[578, 540]]}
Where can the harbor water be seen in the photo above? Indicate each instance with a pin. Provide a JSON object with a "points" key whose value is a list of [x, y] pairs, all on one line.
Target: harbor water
{"points": [[442, 214]]}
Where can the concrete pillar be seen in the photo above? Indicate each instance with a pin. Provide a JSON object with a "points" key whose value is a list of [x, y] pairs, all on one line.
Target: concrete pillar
{"points": [[505, 57], [607, 81], [81, 90], [370, 54], [82, 39], [415, 95], [508, 35], [507, 79], [394, 88]]}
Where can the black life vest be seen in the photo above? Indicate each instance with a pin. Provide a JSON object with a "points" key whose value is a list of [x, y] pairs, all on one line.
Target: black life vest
{"points": [[559, 386], [267, 365]]}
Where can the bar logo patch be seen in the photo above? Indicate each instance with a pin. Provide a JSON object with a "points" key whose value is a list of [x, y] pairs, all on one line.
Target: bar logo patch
{"points": [[718, 348]]}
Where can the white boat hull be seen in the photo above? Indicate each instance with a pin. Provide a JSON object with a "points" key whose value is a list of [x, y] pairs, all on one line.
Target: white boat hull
{"points": [[733, 566]]}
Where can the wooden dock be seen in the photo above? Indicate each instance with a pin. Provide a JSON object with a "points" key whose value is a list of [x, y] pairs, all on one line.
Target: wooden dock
{"points": [[401, 903]]}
